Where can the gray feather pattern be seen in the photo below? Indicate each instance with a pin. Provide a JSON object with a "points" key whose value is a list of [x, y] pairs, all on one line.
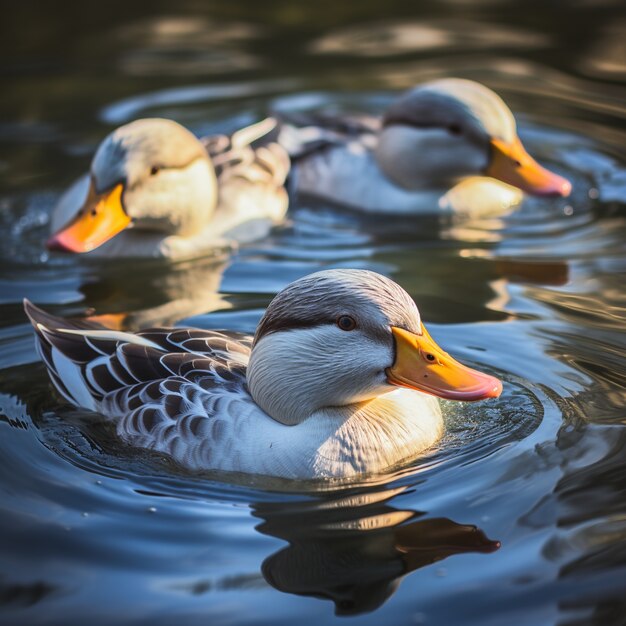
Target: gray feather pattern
{"points": [[305, 134], [181, 401]]}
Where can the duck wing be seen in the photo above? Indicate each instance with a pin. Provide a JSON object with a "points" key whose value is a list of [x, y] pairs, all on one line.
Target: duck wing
{"points": [[180, 391], [302, 134], [88, 362], [251, 169], [191, 405], [251, 153]]}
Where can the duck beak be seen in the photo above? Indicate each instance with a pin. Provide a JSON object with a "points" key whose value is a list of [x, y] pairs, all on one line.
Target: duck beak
{"points": [[511, 164], [99, 219], [422, 365]]}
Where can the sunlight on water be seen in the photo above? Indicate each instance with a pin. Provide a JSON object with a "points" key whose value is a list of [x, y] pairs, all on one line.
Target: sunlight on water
{"points": [[517, 516]]}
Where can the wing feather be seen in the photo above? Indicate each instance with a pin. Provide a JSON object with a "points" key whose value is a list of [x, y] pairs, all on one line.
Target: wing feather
{"points": [[250, 153], [303, 134], [121, 373], [195, 427]]}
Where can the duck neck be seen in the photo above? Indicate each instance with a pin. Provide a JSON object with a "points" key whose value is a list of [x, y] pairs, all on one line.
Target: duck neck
{"points": [[311, 382], [292, 399]]}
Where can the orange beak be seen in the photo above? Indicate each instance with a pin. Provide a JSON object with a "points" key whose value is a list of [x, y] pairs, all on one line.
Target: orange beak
{"points": [[422, 365], [100, 218], [511, 164]]}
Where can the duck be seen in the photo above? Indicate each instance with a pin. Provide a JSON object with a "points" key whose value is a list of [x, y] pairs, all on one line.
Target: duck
{"points": [[155, 190], [445, 147], [341, 379]]}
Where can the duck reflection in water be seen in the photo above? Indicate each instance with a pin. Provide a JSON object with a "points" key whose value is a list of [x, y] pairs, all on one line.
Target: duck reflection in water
{"points": [[356, 550], [155, 294]]}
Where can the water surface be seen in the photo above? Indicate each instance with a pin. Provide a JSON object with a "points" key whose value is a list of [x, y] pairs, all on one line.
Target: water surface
{"points": [[518, 516]]}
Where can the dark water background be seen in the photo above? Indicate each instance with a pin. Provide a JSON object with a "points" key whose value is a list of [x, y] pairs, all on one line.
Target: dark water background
{"points": [[519, 517]]}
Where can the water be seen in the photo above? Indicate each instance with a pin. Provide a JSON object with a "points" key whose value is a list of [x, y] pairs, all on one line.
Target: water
{"points": [[518, 516]]}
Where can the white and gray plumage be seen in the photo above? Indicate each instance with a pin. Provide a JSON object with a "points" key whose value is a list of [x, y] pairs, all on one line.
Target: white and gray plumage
{"points": [[329, 386], [156, 190], [447, 146]]}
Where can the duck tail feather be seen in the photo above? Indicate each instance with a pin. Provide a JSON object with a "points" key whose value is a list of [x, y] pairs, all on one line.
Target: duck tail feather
{"points": [[39, 316], [65, 347], [248, 135]]}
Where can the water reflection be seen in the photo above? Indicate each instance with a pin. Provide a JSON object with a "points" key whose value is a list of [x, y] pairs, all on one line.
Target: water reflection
{"points": [[355, 550], [154, 103], [607, 56], [583, 524], [16, 595], [536, 295], [376, 39], [155, 294], [185, 45]]}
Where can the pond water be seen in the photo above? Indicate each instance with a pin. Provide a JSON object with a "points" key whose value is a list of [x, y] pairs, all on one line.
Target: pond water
{"points": [[518, 516]]}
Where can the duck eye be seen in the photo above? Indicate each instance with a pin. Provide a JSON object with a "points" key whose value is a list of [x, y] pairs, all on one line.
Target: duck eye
{"points": [[454, 129], [154, 170], [345, 322], [430, 357]]}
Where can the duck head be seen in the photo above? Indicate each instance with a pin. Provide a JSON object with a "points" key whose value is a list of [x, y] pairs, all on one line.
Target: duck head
{"points": [[449, 129], [341, 337], [151, 174]]}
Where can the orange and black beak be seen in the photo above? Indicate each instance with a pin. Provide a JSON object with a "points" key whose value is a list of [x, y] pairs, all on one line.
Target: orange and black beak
{"points": [[511, 164], [99, 219], [422, 365]]}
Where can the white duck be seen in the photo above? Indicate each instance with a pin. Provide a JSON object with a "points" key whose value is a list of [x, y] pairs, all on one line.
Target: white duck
{"points": [[338, 381], [156, 190], [447, 146]]}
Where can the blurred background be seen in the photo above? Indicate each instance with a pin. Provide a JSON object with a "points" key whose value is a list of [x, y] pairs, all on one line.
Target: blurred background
{"points": [[71, 69]]}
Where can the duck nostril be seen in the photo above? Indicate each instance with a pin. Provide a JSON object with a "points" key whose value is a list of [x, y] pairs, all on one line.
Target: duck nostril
{"points": [[94, 212], [517, 163]]}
